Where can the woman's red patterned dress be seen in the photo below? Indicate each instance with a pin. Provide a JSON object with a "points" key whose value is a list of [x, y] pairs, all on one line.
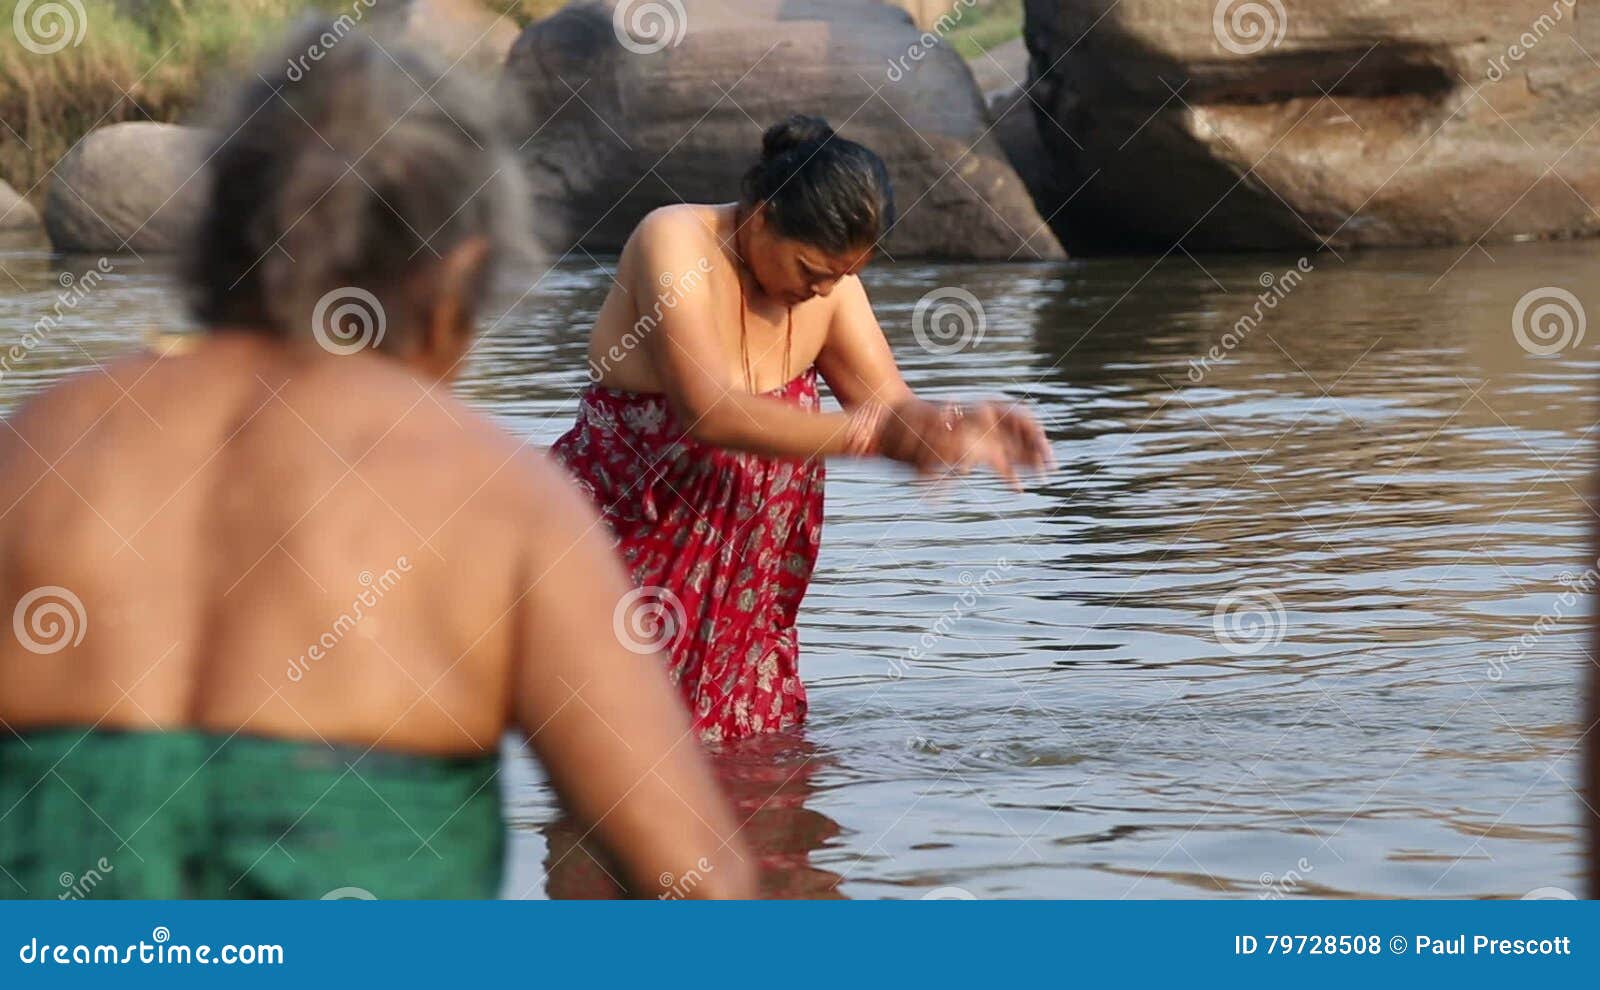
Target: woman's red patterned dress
{"points": [[720, 545]]}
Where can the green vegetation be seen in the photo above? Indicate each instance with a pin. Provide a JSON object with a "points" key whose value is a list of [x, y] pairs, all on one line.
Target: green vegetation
{"points": [[136, 60], [984, 25]]}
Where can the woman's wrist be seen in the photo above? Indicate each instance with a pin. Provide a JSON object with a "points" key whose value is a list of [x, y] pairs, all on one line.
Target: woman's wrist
{"points": [[864, 426]]}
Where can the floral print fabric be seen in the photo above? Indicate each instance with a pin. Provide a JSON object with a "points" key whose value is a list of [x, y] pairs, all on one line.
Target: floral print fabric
{"points": [[720, 545]]}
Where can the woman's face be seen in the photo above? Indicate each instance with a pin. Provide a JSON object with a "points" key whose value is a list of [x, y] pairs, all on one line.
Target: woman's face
{"points": [[793, 271]]}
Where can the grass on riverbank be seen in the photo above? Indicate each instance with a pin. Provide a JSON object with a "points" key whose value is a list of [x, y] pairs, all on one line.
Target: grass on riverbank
{"points": [[985, 25], [136, 60]]}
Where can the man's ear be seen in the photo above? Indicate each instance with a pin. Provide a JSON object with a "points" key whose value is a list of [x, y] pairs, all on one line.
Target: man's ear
{"points": [[458, 278]]}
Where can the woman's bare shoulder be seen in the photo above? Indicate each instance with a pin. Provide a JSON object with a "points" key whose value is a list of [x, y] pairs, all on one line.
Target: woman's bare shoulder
{"points": [[676, 228]]}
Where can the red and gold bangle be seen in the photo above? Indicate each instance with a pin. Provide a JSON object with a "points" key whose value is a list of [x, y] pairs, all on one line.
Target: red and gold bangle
{"points": [[863, 433]]}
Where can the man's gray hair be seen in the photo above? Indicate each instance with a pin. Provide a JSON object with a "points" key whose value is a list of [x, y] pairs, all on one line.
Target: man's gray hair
{"points": [[343, 163]]}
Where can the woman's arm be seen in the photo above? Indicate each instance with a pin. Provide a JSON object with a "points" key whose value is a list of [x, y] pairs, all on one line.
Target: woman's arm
{"points": [[687, 354], [855, 360], [859, 367], [691, 363]]}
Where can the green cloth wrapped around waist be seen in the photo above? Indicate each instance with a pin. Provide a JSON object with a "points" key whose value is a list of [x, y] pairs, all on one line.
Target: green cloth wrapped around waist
{"points": [[155, 815]]}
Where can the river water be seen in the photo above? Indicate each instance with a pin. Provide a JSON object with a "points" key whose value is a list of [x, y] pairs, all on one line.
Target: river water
{"points": [[1272, 628]]}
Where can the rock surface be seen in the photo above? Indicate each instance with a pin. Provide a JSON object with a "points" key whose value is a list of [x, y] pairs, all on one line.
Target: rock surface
{"points": [[676, 115], [1001, 69], [1016, 127], [16, 213], [1243, 124], [127, 187]]}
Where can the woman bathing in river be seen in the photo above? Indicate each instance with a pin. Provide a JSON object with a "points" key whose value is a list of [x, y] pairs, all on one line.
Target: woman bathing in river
{"points": [[702, 441]]}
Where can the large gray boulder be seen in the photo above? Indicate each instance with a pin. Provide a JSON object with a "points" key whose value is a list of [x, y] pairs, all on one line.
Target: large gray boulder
{"points": [[16, 213], [127, 187], [630, 112], [1016, 127], [1239, 124]]}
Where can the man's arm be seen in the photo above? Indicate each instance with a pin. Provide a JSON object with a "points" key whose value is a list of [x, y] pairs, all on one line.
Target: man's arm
{"points": [[605, 722]]}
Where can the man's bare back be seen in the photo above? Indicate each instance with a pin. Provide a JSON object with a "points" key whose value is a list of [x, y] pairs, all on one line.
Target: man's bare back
{"points": [[240, 522]]}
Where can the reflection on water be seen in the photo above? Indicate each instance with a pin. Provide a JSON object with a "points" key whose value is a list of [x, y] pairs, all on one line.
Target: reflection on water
{"points": [[769, 782], [1253, 638]]}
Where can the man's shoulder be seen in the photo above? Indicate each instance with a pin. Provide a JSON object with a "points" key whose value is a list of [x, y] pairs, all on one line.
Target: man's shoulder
{"points": [[82, 395]]}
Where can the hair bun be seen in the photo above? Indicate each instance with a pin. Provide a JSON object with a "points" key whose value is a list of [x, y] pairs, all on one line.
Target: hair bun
{"points": [[791, 133]]}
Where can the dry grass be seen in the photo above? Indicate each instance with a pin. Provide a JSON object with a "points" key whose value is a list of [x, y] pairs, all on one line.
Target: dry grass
{"points": [[139, 60]]}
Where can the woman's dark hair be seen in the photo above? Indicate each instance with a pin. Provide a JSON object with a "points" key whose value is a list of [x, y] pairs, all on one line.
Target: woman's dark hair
{"points": [[819, 188], [341, 169]]}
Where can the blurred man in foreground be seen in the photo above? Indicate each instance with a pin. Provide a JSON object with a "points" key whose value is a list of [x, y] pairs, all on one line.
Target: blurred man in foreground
{"points": [[277, 595]]}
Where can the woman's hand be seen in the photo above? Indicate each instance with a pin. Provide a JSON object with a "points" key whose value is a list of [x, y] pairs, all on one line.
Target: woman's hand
{"points": [[940, 439]]}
